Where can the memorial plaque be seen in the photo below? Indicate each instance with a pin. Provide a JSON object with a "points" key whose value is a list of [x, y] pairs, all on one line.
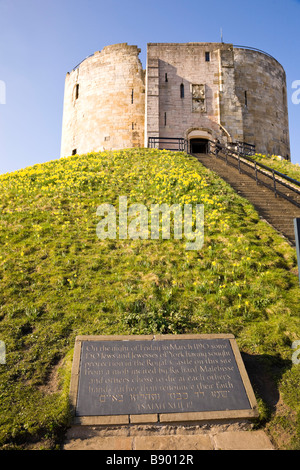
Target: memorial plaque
{"points": [[160, 375]]}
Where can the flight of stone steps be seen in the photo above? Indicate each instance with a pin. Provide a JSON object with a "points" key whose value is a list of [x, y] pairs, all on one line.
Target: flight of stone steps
{"points": [[277, 211]]}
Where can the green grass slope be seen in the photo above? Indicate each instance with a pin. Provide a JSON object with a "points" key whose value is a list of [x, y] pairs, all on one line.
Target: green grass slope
{"points": [[58, 280], [283, 166]]}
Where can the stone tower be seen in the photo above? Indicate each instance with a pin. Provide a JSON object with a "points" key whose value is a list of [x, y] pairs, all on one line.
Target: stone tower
{"points": [[196, 91], [104, 103], [203, 91]]}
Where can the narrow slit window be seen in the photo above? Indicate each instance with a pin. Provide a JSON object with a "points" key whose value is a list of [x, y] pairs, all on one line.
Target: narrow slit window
{"points": [[246, 99], [182, 90], [166, 77], [77, 92], [165, 119], [207, 56], [74, 152], [132, 94], [284, 96]]}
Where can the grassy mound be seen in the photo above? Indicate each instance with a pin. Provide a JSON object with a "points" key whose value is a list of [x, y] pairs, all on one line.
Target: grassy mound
{"points": [[58, 280]]}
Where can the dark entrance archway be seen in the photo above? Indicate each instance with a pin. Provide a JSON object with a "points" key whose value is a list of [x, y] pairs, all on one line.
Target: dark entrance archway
{"points": [[199, 146]]}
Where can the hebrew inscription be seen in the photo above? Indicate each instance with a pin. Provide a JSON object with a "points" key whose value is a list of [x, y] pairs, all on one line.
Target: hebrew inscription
{"points": [[170, 376]]}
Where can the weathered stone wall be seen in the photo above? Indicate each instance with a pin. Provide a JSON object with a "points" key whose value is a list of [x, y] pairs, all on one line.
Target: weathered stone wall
{"points": [[104, 103], [265, 108], [231, 114], [245, 95], [173, 67]]}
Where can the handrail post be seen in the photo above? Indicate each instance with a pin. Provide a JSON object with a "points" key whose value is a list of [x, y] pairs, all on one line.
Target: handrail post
{"points": [[274, 181], [297, 240]]}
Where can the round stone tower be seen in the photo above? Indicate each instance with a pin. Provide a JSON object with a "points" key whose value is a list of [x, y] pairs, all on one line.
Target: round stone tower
{"points": [[260, 84], [104, 102]]}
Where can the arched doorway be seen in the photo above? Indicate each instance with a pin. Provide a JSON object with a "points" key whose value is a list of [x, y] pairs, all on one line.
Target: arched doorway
{"points": [[198, 139], [198, 145]]}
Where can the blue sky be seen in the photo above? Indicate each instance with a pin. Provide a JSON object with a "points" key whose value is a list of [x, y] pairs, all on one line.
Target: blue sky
{"points": [[41, 40]]}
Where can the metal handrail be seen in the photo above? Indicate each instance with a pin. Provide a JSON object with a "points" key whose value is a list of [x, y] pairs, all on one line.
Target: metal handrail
{"points": [[256, 50], [258, 167], [81, 62], [218, 149], [242, 147], [282, 175], [180, 143]]}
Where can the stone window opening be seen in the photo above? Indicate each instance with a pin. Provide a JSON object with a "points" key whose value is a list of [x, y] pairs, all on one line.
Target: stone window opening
{"points": [[74, 152], [284, 97], [132, 95], [166, 77], [246, 99], [207, 56], [182, 90], [165, 119], [77, 91]]}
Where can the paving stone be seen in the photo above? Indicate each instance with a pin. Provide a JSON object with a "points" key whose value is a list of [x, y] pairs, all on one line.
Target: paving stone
{"points": [[197, 442], [93, 439], [100, 443], [242, 440]]}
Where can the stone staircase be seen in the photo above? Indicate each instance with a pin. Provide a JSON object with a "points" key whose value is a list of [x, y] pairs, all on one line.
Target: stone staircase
{"points": [[276, 211]]}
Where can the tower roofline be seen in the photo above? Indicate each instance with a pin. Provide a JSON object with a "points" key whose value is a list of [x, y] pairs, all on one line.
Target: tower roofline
{"points": [[256, 50]]}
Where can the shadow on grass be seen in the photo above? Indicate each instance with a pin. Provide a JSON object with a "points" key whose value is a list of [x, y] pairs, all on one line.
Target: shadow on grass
{"points": [[265, 372]]}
